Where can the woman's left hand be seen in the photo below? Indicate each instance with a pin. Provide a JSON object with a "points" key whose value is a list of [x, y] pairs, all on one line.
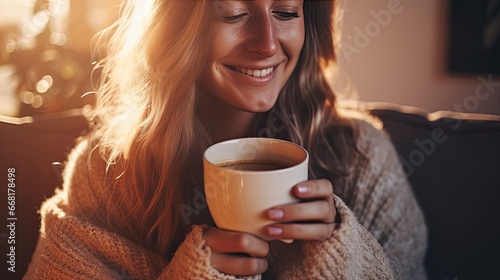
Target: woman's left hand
{"points": [[314, 218]]}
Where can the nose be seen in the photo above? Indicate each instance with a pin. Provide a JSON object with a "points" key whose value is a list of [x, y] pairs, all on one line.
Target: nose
{"points": [[263, 40]]}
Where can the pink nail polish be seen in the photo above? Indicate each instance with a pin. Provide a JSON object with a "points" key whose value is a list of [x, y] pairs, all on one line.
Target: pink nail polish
{"points": [[276, 214], [274, 230], [302, 189]]}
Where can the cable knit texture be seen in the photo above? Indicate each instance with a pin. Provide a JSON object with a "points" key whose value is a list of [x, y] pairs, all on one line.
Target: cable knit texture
{"points": [[381, 235]]}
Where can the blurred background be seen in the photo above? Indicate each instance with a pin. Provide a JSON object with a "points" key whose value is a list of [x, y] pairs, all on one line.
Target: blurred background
{"points": [[436, 55], [426, 53], [45, 53]]}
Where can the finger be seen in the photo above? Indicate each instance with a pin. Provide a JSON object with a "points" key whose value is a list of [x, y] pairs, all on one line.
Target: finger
{"points": [[223, 241], [316, 232], [314, 189], [238, 265], [319, 211]]}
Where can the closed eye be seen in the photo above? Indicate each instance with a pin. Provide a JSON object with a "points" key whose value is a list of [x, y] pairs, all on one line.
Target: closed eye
{"points": [[287, 15], [235, 18]]}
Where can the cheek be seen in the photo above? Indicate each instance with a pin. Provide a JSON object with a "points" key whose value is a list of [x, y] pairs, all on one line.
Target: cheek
{"points": [[300, 37], [223, 42], [293, 39]]}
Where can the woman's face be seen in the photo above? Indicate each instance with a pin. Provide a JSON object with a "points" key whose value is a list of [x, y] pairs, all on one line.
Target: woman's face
{"points": [[254, 50]]}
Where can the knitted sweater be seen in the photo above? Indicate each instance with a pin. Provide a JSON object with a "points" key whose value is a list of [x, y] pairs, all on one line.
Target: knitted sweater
{"points": [[381, 235]]}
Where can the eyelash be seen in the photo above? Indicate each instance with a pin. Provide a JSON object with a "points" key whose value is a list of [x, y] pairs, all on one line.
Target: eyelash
{"points": [[287, 16], [281, 15], [232, 19]]}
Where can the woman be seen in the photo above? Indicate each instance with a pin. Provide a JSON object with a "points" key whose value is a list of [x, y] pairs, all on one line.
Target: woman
{"points": [[182, 75]]}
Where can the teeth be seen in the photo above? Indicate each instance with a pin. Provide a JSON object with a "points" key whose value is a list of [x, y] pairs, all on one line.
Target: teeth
{"points": [[255, 73]]}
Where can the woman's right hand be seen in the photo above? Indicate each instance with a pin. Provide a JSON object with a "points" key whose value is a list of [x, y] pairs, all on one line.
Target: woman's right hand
{"points": [[237, 253]]}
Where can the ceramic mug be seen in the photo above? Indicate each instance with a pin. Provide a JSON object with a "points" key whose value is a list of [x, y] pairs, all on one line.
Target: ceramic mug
{"points": [[243, 178]]}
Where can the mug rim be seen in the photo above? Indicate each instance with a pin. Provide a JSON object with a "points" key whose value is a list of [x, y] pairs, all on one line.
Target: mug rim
{"points": [[296, 165]]}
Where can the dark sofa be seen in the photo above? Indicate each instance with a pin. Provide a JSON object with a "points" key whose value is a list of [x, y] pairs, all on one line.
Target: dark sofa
{"points": [[452, 161], [453, 164]]}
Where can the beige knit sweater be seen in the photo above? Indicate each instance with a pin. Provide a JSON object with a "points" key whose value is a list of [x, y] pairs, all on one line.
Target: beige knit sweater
{"points": [[382, 234]]}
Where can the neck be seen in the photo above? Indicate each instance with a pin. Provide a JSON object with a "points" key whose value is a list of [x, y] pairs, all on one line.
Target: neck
{"points": [[224, 122]]}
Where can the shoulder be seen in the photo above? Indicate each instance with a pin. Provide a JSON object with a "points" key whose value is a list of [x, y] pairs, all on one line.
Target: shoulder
{"points": [[86, 180], [84, 164], [371, 140], [375, 155]]}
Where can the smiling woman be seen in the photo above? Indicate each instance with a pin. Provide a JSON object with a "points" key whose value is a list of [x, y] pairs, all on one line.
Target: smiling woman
{"points": [[183, 75]]}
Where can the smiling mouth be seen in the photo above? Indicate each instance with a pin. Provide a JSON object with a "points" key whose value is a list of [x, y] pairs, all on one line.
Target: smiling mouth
{"points": [[259, 73]]}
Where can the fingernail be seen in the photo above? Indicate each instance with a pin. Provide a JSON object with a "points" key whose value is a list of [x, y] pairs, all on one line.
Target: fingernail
{"points": [[276, 214], [302, 189], [274, 230]]}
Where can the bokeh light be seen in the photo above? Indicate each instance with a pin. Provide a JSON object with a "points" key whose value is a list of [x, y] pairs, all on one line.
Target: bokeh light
{"points": [[46, 59], [44, 84]]}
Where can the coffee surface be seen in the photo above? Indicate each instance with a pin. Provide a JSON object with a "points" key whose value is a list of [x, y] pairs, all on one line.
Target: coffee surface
{"points": [[255, 165]]}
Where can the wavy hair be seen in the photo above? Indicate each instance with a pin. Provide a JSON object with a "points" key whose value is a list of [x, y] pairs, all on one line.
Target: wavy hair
{"points": [[148, 126]]}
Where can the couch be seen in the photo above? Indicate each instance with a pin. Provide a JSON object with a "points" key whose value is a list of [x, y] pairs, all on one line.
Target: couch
{"points": [[452, 161]]}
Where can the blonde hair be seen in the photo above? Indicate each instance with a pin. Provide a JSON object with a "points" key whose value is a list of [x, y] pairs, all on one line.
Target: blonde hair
{"points": [[146, 117], [145, 111]]}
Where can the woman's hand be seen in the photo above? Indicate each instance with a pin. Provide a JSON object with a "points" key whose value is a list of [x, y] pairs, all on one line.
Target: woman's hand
{"points": [[237, 253], [314, 218]]}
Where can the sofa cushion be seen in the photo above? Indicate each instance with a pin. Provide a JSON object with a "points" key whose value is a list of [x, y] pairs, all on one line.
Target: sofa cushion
{"points": [[453, 164]]}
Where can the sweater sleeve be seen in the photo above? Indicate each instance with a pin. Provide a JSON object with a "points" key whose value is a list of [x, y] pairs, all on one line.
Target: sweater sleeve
{"points": [[382, 233], [73, 244]]}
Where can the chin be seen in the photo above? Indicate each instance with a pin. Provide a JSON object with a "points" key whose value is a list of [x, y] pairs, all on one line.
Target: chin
{"points": [[259, 108]]}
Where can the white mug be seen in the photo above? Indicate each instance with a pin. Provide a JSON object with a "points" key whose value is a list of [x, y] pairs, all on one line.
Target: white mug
{"points": [[237, 196]]}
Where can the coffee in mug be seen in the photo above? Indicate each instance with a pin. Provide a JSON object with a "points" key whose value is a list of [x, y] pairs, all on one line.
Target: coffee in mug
{"points": [[255, 165]]}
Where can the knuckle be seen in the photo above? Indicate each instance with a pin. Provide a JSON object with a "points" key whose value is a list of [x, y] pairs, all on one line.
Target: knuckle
{"points": [[325, 181], [327, 232], [242, 241], [325, 209], [297, 230], [323, 234], [266, 249], [316, 185], [321, 187], [333, 210], [297, 209], [207, 236], [254, 265], [328, 185]]}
